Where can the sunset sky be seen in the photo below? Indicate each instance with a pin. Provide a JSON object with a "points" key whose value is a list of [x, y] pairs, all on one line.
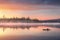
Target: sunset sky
{"points": [[40, 9]]}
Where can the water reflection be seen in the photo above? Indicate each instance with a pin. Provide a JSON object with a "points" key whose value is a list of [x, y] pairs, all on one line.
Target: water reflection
{"points": [[39, 32], [44, 28], [18, 27], [31, 26]]}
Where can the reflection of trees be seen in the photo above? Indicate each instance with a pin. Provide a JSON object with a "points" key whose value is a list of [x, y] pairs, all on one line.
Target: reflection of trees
{"points": [[28, 27], [18, 27]]}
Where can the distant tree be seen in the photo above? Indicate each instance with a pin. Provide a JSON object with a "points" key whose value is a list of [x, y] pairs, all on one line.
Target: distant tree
{"points": [[23, 18], [35, 20], [28, 18], [4, 16]]}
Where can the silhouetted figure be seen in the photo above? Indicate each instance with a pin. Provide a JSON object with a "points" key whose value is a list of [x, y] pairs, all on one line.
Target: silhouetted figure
{"points": [[46, 29]]}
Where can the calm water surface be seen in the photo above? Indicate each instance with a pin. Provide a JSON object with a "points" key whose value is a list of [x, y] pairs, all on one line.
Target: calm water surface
{"points": [[30, 32]]}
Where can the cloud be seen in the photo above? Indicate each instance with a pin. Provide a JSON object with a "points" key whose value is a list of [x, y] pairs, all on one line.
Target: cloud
{"points": [[29, 4], [55, 2]]}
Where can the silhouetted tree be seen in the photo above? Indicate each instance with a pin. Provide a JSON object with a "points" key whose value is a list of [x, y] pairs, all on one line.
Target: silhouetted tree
{"points": [[28, 18], [35, 20], [23, 18]]}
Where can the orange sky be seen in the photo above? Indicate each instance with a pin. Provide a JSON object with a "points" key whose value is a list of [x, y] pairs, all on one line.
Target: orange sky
{"points": [[10, 6], [42, 12]]}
